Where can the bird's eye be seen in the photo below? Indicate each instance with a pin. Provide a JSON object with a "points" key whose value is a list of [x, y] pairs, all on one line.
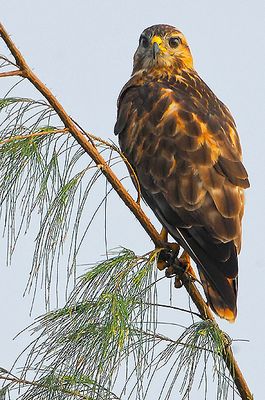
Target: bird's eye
{"points": [[144, 41], [174, 42]]}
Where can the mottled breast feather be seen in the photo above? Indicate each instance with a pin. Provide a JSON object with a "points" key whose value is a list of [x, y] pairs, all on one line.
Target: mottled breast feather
{"points": [[183, 145]]}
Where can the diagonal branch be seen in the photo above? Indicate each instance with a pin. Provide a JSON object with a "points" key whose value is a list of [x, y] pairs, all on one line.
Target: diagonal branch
{"points": [[130, 168], [127, 199]]}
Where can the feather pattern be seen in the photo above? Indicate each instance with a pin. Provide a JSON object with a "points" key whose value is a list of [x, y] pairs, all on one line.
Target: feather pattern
{"points": [[183, 144]]}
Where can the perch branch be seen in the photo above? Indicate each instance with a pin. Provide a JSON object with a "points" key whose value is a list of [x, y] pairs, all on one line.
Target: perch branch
{"points": [[127, 199]]}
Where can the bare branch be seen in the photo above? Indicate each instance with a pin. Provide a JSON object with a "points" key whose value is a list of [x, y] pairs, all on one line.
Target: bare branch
{"points": [[11, 73], [174, 308], [32, 135]]}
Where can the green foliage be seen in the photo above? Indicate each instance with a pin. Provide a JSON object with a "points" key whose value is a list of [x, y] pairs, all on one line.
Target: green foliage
{"points": [[198, 347], [108, 333], [100, 325], [46, 179]]}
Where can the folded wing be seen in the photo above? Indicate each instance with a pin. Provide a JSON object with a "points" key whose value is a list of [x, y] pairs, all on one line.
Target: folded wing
{"points": [[186, 153]]}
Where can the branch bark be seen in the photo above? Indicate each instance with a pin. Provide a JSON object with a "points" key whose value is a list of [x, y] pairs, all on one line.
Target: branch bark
{"points": [[32, 135], [11, 73], [91, 150]]}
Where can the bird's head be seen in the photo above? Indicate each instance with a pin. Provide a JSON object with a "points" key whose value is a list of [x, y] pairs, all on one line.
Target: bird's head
{"points": [[162, 46]]}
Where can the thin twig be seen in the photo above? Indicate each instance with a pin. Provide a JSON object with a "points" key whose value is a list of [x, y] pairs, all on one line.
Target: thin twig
{"points": [[174, 308], [2, 57], [128, 200], [115, 148], [158, 336], [32, 135], [11, 73], [126, 161], [41, 385]]}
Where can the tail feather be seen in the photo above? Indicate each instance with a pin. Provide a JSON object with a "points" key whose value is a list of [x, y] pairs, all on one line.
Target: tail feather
{"points": [[216, 261], [222, 302], [218, 274]]}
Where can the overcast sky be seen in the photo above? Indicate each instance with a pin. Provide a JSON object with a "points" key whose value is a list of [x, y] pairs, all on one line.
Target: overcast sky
{"points": [[82, 50]]}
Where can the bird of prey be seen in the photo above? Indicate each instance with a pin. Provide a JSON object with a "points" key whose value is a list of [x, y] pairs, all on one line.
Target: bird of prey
{"points": [[182, 143]]}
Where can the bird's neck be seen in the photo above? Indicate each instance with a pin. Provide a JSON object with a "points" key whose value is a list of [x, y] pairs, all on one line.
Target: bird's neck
{"points": [[173, 73]]}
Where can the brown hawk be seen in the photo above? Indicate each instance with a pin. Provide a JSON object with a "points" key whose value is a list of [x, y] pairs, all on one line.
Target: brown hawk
{"points": [[182, 142]]}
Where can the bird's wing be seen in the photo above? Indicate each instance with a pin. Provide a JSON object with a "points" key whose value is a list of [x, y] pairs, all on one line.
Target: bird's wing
{"points": [[182, 142]]}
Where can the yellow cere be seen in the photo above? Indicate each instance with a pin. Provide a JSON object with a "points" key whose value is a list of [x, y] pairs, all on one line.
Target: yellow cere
{"points": [[156, 39], [159, 41]]}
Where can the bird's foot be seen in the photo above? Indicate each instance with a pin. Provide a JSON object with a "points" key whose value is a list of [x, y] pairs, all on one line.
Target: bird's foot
{"points": [[168, 260], [176, 270], [186, 264], [176, 267], [168, 256]]}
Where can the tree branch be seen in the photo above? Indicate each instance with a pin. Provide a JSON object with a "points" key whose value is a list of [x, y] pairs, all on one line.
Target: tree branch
{"points": [[127, 199], [11, 73], [32, 135], [130, 168], [175, 308]]}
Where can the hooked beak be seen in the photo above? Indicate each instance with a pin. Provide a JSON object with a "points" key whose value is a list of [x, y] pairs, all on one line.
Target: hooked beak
{"points": [[155, 50]]}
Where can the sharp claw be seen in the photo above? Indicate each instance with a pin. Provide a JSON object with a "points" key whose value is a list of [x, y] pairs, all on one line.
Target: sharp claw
{"points": [[178, 282], [161, 265], [185, 261]]}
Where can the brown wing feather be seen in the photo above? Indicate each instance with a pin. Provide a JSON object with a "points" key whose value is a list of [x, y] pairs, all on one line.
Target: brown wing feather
{"points": [[185, 150]]}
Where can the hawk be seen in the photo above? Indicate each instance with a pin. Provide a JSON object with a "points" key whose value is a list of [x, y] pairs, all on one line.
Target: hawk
{"points": [[182, 143]]}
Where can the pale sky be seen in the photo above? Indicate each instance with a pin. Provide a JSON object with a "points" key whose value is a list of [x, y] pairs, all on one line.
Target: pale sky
{"points": [[82, 50]]}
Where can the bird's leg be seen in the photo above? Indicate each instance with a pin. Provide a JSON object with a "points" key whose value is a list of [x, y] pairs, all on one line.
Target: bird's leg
{"points": [[163, 255], [167, 256], [164, 234], [185, 261]]}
